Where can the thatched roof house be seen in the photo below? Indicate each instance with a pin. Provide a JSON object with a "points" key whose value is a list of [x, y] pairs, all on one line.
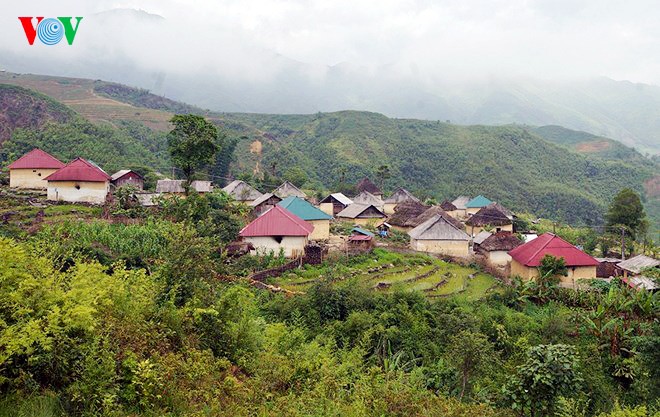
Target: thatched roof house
{"points": [[401, 195], [365, 197], [486, 217], [242, 191], [447, 206], [437, 235], [287, 190], [496, 247], [405, 214], [361, 213], [436, 210], [365, 184], [508, 213]]}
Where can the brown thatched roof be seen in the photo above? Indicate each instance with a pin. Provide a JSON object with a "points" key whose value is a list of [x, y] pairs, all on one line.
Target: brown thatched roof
{"points": [[447, 206], [401, 195], [504, 241], [365, 184], [436, 210], [488, 215], [508, 213], [406, 213]]}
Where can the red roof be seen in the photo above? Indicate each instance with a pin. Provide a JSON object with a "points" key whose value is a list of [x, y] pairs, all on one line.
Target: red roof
{"points": [[36, 159], [277, 221], [79, 170], [531, 253]]}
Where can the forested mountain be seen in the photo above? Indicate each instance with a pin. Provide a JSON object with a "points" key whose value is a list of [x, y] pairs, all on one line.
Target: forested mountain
{"points": [[550, 171]]}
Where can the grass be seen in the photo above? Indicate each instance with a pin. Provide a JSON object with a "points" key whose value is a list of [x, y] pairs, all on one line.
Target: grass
{"points": [[45, 405], [404, 272]]}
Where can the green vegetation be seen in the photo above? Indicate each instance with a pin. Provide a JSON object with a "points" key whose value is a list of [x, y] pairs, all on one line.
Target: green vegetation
{"points": [[147, 316], [191, 143], [509, 164]]}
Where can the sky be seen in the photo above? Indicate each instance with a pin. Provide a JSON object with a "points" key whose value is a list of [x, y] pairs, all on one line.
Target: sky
{"points": [[423, 39]]}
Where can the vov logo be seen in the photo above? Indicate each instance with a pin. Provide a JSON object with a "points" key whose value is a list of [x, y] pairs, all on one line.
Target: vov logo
{"points": [[50, 31]]}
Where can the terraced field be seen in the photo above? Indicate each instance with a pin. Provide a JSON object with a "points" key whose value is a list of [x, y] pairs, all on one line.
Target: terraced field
{"points": [[388, 272]]}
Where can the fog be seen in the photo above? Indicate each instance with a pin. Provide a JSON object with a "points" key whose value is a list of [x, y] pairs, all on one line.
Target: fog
{"points": [[442, 59]]}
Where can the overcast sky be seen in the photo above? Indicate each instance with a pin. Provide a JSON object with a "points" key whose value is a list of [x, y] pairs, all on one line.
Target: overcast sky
{"points": [[550, 39]]}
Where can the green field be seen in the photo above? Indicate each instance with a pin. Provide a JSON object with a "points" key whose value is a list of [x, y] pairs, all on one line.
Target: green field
{"points": [[389, 272]]}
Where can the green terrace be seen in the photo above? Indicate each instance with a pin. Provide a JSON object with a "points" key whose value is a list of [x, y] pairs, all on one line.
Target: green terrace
{"points": [[387, 271]]}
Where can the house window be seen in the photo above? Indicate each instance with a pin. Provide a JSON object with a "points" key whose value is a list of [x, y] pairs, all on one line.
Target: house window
{"points": [[278, 239], [39, 174], [77, 186]]}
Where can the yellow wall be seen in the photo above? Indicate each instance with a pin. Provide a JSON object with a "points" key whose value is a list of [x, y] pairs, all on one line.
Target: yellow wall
{"points": [[361, 222], [29, 178], [574, 273], [389, 208], [499, 257], [474, 230], [444, 247], [327, 208], [89, 192], [321, 229], [472, 211]]}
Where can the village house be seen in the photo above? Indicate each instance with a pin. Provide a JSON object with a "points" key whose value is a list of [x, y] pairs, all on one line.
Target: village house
{"points": [[127, 177], [632, 271], [309, 213], [277, 230], [30, 170], [490, 218], [365, 184], [79, 181], [508, 213], [365, 197], [264, 203], [405, 215], [242, 191], [436, 210], [167, 186], [360, 240], [526, 258], [287, 190], [449, 208], [495, 248], [461, 206], [607, 267], [401, 195], [476, 204], [361, 214], [334, 203], [437, 235]]}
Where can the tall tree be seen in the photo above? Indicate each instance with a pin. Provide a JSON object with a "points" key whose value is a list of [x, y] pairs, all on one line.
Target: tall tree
{"points": [[627, 210], [192, 143], [223, 157], [383, 174], [470, 353], [548, 372]]}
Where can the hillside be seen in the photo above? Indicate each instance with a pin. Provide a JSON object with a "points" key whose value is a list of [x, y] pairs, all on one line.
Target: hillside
{"points": [[23, 108], [572, 179]]}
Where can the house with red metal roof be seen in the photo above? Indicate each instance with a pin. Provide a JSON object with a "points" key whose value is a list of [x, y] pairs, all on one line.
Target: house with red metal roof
{"points": [[526, 258], [79, 181], [29, 170], [278, 230]]}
